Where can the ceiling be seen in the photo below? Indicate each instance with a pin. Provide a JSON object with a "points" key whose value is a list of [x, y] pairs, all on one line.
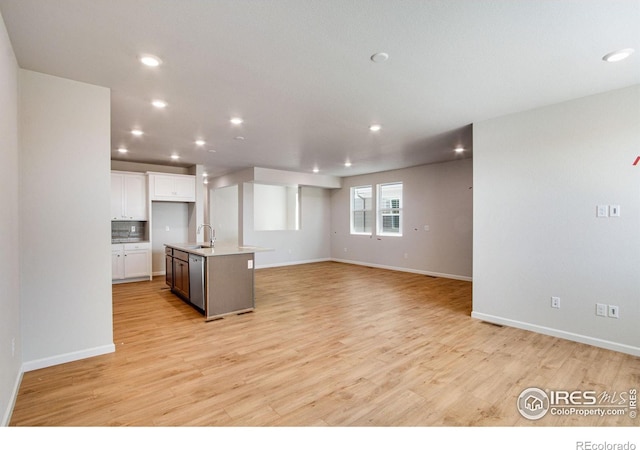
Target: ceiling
{"points": [[300, 73]]}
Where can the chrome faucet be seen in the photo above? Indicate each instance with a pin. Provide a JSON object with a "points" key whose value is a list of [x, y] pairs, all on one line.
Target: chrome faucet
{"points": [[213, 233]]}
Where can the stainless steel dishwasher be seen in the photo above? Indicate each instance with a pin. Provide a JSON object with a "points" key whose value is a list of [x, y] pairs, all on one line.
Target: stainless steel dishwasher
{"points": [[196, 280]]}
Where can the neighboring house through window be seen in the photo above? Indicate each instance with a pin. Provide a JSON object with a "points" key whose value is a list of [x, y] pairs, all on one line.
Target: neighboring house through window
{"points": [[390, 209], [361, 209]]}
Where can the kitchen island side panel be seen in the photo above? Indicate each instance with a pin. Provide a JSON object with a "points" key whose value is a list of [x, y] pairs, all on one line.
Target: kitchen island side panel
{"points": [[230, 285]]}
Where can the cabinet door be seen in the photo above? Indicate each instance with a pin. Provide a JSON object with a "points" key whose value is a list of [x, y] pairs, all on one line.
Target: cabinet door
{"points": [[172, 188], [163, 186], [117, 196], [185, 188], [169, 271], [117, 264], [181, 277], [135, 197], [136, 263]]}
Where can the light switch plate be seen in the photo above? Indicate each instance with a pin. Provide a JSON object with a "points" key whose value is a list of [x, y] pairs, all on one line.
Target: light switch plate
{"points": [[614, 210], [602, 211]]}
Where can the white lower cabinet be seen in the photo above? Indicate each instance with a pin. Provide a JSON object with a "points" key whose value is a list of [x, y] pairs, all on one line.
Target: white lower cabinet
{"points": [[130, 261]]}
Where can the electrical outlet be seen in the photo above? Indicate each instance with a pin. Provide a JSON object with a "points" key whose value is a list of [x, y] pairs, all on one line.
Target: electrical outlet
{"points": [[601, 310], [133, 228], [555, 302], [614, 311]]}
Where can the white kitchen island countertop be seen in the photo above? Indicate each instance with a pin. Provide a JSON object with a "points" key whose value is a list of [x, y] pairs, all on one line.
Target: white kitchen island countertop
{"points": [[203, 249]]}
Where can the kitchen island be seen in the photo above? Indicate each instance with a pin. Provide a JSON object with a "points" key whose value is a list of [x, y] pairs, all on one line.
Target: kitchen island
{"points": [[217, 281]]}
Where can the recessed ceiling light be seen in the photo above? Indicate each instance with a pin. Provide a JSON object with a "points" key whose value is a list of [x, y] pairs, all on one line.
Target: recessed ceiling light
{"points": [[347, 164], [375, 127], [137, 132], [174, 156], [200, 142], [150, 60], [618, 55], [206, 182], [236, 120], [205, 175], [239, 138], [379, 57], [459, 149], [160, 104], [316, 170], [122, 150], [211, 150]]}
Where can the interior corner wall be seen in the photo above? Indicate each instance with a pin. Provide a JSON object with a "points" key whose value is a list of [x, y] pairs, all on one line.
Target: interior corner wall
{"points": [[10, 335], [436, 196], [311, 243], [538, 179], [65, 244]]}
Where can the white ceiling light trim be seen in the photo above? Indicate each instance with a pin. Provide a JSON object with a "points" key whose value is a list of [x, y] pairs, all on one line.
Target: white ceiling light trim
{"points": [[379, 57], [160, 104], [200, 142], [375, 127], [150, 60], [137, 132], [236, 120], [618, 55]]}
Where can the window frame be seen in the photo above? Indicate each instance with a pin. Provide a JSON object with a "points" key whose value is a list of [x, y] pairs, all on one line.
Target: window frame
{"points": [[364, 210], [383, 211]]}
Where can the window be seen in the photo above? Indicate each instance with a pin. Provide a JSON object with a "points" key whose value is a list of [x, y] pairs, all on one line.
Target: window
{"points": [[361, 209], [390, 209]]}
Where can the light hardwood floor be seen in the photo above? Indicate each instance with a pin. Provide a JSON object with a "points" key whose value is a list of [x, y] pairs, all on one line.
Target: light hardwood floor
{"points": [[328, 344]]}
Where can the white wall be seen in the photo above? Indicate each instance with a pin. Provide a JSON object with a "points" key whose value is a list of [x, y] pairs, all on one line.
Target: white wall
{"points": [[436, 195], [538, 176], [175, 217], [224, 214], [308, 244], [9, 230], [64, 220]]}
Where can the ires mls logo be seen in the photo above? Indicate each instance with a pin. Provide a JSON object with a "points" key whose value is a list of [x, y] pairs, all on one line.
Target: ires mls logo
{"points": [[534, 403]]}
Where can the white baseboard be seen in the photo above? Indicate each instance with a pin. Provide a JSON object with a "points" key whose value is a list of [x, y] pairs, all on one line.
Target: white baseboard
{"points": [[609, 345], [6, 417], [292, 263], [67, 357], [404, 269]]}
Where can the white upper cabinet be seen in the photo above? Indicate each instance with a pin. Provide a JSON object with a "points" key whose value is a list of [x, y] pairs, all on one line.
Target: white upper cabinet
{"points": [[172, 188], [128, 196]]}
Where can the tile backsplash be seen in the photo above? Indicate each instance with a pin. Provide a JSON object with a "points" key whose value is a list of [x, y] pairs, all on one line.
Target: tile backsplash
{"points": [[128, 231]]}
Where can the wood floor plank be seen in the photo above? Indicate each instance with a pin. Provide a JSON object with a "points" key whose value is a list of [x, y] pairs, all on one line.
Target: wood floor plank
{"points": [[329, 344]]}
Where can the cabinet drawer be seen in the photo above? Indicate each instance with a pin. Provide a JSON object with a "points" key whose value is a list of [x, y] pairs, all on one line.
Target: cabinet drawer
{"points": [[137, 246], [168, 251], [181, 255]]}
